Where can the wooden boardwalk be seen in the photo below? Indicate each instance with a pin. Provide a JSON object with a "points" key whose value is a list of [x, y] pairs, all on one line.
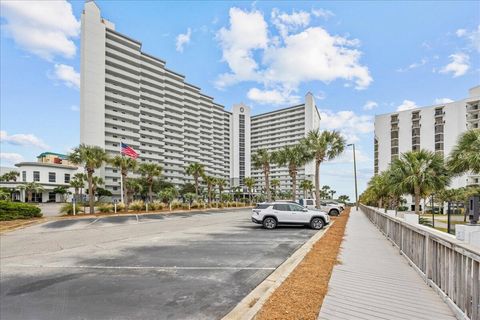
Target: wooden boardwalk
{"points": [[374, 281]]}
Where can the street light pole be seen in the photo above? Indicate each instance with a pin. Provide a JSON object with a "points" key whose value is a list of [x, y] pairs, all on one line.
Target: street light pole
{"points": [[355, 173]]}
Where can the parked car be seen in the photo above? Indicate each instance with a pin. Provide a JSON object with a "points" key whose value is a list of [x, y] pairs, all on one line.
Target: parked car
{"points": [[332, 208], [271, 214]]}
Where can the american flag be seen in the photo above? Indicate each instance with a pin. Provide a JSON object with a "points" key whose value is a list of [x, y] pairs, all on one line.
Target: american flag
{"points": [[128, 151]]}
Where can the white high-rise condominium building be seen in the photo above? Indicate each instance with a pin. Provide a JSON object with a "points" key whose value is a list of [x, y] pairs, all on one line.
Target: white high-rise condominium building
{"points": [[277, 129], [127, 95], [130, 96], [435, 128]]}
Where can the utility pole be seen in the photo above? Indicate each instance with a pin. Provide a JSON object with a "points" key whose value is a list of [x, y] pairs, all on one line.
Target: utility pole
{"points": [[354, 173]]}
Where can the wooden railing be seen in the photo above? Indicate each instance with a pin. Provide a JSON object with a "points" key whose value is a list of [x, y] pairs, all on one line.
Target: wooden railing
{"points": [[449, 266]]}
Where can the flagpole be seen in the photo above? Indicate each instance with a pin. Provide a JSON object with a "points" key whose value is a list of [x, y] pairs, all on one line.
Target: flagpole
{"points": [[121, 177]]}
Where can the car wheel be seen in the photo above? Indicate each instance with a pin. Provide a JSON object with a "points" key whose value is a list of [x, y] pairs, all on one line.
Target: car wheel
{"points": [[316, 223], [334, 212], [269, 223]]}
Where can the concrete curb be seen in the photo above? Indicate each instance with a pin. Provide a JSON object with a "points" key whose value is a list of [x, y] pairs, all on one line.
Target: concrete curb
{"points": [[248, 308]]}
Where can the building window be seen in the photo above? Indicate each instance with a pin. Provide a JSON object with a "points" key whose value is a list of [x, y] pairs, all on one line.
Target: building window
{"points": [[51, 177], [67, 177], [36, 175], [24, 176]]}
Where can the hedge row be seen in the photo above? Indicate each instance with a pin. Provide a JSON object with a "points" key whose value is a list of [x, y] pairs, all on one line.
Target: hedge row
{"points": [[16, 210]]}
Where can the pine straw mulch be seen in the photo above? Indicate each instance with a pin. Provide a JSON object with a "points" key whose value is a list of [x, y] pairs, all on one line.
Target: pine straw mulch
{"points": [[11, 225], [301, 295]]}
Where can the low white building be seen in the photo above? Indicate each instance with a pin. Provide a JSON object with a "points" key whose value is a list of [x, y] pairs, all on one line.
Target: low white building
{"points": [[51, 170]]}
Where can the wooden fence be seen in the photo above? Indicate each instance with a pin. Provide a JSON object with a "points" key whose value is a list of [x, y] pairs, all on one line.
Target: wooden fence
{"points": [[448, 265]]}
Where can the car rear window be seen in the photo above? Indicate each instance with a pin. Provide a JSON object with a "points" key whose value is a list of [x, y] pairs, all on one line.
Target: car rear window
{"points": [[309, 202], [262, 206], [281, 207]]}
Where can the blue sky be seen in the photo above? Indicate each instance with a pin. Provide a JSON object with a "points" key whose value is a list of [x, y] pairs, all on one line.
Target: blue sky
{"points": [[358, 58]]}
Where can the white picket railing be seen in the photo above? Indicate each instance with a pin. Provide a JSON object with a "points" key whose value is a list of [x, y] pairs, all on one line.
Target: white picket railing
{"points": [[448, 265]]}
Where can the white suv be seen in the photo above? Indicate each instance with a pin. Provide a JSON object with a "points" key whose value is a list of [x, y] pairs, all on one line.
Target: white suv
{"points": [[333, 208], [272, 214]]}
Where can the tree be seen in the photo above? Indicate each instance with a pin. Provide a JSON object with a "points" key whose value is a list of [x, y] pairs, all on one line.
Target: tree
{"points": [[249, 183], [150, 171], [344, 198], [418, 173], [62, 191], [188, 188], [78, 184], [31, 188], [211, 182], [325, 192], [275, 183], [332, 193], [125, 164], [221, 183], [379, 185], [306, 186], [97, 181], [101, 192], [10, 176], [465, 156], [132, 188], [323, 146], [92, 158], [196, 170], [168, 195], [262, 160], [293, 157], [237, 191]]}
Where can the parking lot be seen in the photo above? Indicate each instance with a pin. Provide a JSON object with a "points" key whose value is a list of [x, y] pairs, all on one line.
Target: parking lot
{"points": [[182, 266]]}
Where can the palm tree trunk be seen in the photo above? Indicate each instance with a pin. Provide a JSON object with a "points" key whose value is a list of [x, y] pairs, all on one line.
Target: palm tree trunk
{"points": [[294, 186], [267, 185], [125, 191], [317, 183], [196, 185], [90, 192], [150, 193], [417, 200]]}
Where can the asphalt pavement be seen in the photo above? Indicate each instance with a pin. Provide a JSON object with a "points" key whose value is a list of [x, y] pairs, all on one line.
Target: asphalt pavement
{"points": [[183, 266]]}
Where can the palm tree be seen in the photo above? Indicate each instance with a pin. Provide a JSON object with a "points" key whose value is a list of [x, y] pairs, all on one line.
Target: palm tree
{"points": [[466, 154], [262, 160], [344, 198], [210, 181], [168, 195], [92, 158], [78, 184], [379, 185], [275, 183], [132, 188], [306, 186], [125, 164], [97, 182], [221, 183], [294, 157], [323, 146], [10, 176], [332, 192], [418, 173], [150, 171], [324, 192], [83, 178], [249, 183], [31, 188], [196, 170]]}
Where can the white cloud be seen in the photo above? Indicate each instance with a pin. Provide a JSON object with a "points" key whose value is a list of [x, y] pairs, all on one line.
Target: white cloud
{"points": [[348, 123], [275, 61], [473, 37], [271, 97], [9, 158], [459, 65], [407, 105], [74, 108], [247, 32], [286, 23], [322, 13], [21, 139], [413, 65], [442, 100], [67, 75], [44, 28], [369, 105], [183, 39]]}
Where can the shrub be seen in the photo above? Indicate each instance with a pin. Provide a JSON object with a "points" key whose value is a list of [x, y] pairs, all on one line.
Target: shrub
{"points": [[195, 205], [137, 205], [185, 206], [67, 208], [17, 210], [175, 204], [120, 206], [106, 207], [156, 205]]}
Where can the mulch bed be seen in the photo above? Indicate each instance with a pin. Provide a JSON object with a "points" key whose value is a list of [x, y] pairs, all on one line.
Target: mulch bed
{"points": [[17, 224], [301, 295]]}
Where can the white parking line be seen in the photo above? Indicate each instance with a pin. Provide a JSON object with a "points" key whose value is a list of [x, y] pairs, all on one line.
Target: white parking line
{"points": [[136, 267]]}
